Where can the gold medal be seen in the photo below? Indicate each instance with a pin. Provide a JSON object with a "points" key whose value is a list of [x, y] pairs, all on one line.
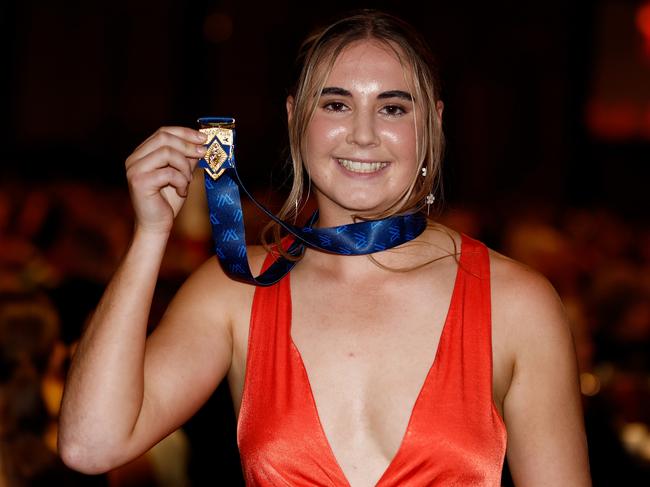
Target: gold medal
{"points": [[220, 137]]}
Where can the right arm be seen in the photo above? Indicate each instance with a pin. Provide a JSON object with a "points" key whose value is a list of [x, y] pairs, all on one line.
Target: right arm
{"points": [[124, 391]]}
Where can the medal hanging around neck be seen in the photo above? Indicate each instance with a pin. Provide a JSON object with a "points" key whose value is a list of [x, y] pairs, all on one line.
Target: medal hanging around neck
{"points": [[222, 185]]}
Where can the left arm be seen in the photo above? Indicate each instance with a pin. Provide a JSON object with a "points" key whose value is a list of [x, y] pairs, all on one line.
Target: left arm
{"points": [[542, 408]]}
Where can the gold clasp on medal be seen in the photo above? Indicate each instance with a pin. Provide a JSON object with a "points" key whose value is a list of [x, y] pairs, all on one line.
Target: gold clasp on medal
{"points": [[220, 136]]}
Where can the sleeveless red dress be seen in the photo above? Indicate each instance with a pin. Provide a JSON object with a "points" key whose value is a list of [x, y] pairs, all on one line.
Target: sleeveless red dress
{"points": [[455, 436]]}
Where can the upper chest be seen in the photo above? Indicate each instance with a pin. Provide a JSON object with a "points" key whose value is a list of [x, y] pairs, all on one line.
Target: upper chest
{"points": [[368, 337], [393, 323]]}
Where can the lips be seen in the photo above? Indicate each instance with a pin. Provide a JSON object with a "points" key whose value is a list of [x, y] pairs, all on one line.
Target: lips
{"points": [[362, 166]]}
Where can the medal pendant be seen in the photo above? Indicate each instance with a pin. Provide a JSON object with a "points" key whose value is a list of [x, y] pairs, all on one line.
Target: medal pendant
{"points": [[220, 144]]}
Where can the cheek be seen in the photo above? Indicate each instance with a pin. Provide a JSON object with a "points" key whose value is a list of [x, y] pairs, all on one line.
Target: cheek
{"points": [[322, 133], [402, 139]]}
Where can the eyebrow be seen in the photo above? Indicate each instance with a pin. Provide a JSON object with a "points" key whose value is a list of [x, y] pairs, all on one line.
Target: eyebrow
{"points": [[335, 90]]}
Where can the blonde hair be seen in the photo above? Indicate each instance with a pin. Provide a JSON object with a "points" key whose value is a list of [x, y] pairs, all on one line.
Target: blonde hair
{"points": [[316, 58]]}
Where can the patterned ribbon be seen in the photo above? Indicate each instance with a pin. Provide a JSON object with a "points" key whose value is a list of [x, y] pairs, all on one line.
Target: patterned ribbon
{"points": [[222, 184]]}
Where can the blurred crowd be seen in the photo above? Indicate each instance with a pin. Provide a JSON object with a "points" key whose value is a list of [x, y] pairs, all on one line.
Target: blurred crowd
{"points": [[61, 241]]}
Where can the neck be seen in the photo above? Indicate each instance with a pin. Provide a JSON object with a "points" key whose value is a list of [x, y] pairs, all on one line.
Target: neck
{"points": [[342, 268], [332, 215], [377, 266]]}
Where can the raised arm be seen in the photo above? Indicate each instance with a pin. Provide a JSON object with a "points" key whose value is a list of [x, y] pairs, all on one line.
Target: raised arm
{"points": [[542, 410], [125, 392]]}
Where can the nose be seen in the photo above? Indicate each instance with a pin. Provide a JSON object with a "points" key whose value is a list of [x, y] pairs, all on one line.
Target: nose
{"points": [[363, 131]]}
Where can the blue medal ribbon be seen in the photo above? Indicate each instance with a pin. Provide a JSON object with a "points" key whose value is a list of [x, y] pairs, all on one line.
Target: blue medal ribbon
{"points": [[222, 185]]}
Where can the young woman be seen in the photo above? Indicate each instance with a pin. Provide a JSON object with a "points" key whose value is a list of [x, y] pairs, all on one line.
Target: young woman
{"points": [[419, 365]]}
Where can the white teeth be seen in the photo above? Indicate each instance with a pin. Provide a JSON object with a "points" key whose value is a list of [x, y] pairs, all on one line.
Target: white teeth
{"points": [[364, 167]]}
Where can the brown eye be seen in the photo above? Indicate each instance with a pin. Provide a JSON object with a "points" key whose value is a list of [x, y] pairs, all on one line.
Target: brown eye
{"points": [[335, 106], [394, 110]]}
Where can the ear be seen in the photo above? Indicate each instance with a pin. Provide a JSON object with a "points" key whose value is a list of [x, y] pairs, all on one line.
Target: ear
{"points": [[440, 106], [289, 108]]}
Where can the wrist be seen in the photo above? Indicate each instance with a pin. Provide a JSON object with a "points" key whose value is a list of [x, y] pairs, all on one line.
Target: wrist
{"points": [[152, 238]]}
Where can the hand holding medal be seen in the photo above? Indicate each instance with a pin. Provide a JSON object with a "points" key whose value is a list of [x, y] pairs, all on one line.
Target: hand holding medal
{"points": [[159, 172]]}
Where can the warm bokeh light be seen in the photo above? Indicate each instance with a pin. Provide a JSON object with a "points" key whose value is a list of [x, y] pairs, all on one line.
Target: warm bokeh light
{"points": [[643, 24], [589, 384], [643, 20], [620, 99], [633, 434], [635, 437], [615, 120]]}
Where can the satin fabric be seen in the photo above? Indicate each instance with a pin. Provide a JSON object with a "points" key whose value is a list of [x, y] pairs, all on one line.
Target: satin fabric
{"points": [[455, 436]]}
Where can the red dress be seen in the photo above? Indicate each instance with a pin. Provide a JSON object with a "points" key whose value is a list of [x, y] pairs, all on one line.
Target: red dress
{"points": [[454, 437]]}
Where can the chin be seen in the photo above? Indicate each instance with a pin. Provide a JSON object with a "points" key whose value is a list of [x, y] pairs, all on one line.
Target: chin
{"points": [[363, 203], [365, 208]]}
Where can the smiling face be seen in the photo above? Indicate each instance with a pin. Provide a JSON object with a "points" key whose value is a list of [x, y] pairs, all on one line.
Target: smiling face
{"points": [[360, 146]]}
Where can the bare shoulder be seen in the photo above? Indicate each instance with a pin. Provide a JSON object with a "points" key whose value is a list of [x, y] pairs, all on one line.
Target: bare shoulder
{"points": [[210, 285], [524, 301], [211, 302], [519, 293], [530, 328], [513, 279]]}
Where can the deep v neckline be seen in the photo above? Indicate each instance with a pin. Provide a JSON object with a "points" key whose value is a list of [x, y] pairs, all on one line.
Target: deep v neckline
{"points": [[434, 364]]}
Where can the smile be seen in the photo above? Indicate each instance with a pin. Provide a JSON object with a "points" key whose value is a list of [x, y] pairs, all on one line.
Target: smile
{"points": [[362, 167]]}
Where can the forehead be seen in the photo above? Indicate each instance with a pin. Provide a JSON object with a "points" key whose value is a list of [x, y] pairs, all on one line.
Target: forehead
{"points": [[369, 60]]}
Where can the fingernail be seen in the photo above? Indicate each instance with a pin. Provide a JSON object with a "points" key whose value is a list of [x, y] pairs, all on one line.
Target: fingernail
{"points": [[200, 136], [200, 149]]}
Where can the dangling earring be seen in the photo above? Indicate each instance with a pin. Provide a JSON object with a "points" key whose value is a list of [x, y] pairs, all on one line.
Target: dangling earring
{"points": [[429, 201], [429, 198]]}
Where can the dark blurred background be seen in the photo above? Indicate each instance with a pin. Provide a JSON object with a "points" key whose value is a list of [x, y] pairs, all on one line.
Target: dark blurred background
{"points": [[547, 118]]}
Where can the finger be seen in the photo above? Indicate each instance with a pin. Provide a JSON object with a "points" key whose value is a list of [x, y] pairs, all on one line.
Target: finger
{"points": [[185, 133], [193, 162], [168, 176], [182, 139], [166, 139], [160, 158], [152, 182]]}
